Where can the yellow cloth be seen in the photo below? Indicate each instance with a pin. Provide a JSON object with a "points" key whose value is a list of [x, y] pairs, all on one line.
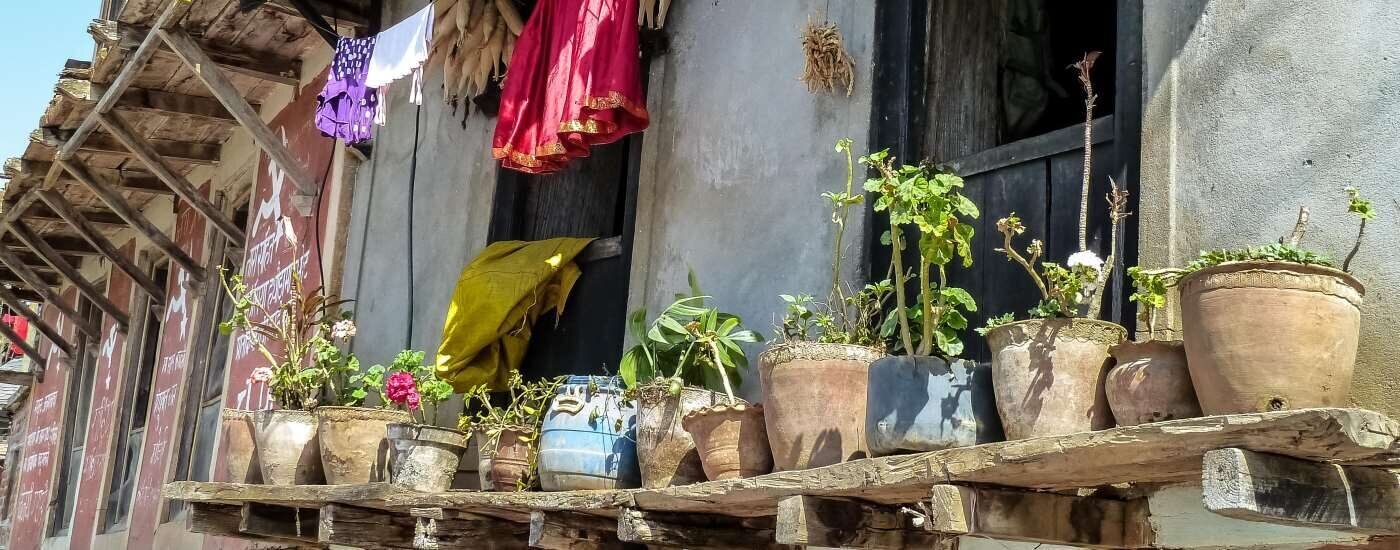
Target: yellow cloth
{"points": [[498, 298]]}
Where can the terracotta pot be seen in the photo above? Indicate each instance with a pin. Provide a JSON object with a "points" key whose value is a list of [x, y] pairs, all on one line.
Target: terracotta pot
{"points": [[1269, 336], [288, 450], [424, 458], [814, 402], [1150, 383], [240, 449], [664, 448], [511, 462], [353, 447], [1048, 375], [920, 403], [732, 440]]}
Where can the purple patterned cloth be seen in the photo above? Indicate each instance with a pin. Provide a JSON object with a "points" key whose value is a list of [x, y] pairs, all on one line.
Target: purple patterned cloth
{"points": [[346, 107]]}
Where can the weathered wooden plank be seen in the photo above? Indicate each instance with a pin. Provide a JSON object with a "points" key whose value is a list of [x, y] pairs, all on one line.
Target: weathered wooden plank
{"points": [[694, 531], [70, 247], [254, 64], [294, 524], [96, 218], [50, 296], [844, 523], [345, 14], [18, 170], [80, 222], [360, 527], [46, 275], [141, 100], [156, 163], [219, 85], [214, 519], [1016, 152], [1268, 488], [572, 531], [74, 277], [135, 218], [1049, 518], [15, 378], [33, 354], [12, 301], [175, 151]]}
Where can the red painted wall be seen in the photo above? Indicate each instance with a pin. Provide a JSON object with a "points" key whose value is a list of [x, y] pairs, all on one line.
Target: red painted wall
{"points": [[106, 407], [41, 440], [166, 394]]}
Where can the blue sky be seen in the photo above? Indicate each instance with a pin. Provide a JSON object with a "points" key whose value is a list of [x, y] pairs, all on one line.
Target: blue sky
{"points": [[39, 36]]}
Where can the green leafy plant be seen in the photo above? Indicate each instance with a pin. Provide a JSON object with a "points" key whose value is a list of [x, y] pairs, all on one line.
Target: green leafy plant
{"points": [[408, 383], [522, 413], [1361, 208], [996, 321], [931, 201], [847, 316], [679, 347]]}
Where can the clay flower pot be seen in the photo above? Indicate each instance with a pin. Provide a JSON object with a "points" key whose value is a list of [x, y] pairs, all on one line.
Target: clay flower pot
{"points": [[1048, 375], [732, 440], [1270, 336], [353, 448], [665, 450], [511, 462], [424, 458], [240, 449], [288, 450], [814, 402], [1150, 383], [921, 403]]}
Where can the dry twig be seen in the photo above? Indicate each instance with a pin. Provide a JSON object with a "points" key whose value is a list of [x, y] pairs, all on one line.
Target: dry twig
{"points": [[828, 66]]}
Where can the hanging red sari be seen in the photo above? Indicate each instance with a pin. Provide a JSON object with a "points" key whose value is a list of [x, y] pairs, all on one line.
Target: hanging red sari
{"points": [[574, 82]]}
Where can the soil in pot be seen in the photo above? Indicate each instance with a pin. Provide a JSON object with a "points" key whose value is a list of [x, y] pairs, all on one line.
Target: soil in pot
{"points": [[814, 402], [288, 450], [1150, 383], [353, 447], [424, 458], [240, 448], [921, 403], [1048, 375], [511, 462], [588, 437], [732, 440], [1270, 336], [665, 451]]}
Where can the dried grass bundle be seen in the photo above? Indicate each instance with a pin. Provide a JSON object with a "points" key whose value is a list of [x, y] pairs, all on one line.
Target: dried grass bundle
{"points": [[828, 65], [473, 41]]}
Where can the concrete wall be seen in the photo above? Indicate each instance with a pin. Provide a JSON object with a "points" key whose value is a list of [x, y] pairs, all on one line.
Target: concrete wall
{"points": [[1253, 109], [733, 167]]}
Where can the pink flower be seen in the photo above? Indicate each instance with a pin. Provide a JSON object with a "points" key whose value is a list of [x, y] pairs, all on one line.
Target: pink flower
{"points": [[262, 374], [402, 389], [414, 400]]}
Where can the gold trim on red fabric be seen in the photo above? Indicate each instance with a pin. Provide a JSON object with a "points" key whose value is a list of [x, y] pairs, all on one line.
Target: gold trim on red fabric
{"points": [[536, 163]]}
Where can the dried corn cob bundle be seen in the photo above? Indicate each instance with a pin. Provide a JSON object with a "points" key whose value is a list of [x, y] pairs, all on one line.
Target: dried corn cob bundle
{"points": [[652, 13], [473, 41]]}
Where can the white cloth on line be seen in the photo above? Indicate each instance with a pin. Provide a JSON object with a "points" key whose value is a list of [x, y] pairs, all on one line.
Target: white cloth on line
{"points": [[402, 50]]}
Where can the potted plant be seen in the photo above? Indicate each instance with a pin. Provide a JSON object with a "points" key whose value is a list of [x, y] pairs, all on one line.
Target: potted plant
{"points": [[353, 445], [814, 381], [660, 371], [424, 456], [589, 437], [1274, 327], [510, 433], [927, 399], [1150, 381], [1048, 371]]}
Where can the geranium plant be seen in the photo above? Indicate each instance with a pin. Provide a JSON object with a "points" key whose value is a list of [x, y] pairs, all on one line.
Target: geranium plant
{"points": [[408, 384], [932, 201]]}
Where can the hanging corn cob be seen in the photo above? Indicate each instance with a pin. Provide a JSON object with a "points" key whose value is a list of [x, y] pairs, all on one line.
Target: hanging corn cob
{"points": [[473, 41], [652, 13]]}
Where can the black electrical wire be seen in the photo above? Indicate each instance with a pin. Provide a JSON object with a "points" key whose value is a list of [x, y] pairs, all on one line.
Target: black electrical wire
{"points": [[412, 179]]}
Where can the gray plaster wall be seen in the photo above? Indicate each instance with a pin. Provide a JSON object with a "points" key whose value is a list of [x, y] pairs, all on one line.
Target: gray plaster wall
{"points": [[738, 155], [1253, 109]]}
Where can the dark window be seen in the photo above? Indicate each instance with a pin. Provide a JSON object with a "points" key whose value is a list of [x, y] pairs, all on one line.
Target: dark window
{"points": [[77, 405], [131, 430]]}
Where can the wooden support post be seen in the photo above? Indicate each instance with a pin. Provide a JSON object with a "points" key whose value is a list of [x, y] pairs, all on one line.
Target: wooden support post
{"points": [[422, 528], [23, 345], [843, 523], [279, 522], [353, 526], [94, 237], [694, 531], [223, 90], [1252, 486], [9, 299], [214, 519], [52, 257], [1048, 518], [16, 378], [177, 183], [97, 218], [51, 297], [137, 220], [572, 531]]}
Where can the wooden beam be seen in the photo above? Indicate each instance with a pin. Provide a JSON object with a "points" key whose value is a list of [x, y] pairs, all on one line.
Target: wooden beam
{"points": [[69, 246], [694, 531], [219, 85], [127, 180], [262, 67], [135, 218], [572, 531], [51, 297], [139, 100], [214, 519], [52, 257], [844, 523], [16, 378], [154, 161], [1268, 488], [351, 14], [354, 526], [47, 277], [33, 354], [1048, 518], [9, 298], [94, 237], [102, 218], [292, 524], [177, 151]]}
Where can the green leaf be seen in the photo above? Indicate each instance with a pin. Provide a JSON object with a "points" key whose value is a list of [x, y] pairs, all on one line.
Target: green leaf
{"points": [[954, 319], [960, 298], [746, 336]]}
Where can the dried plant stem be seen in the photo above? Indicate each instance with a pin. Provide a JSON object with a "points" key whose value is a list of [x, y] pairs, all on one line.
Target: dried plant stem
{"points": [[1010, 252], [897, 243], [1300, 227], [1085, 68], [1117, 211], [1346, 264]]}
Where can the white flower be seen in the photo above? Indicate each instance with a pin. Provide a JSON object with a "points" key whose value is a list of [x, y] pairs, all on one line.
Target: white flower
{"points": [[262, 374], [343, 330], [1084, 258]]}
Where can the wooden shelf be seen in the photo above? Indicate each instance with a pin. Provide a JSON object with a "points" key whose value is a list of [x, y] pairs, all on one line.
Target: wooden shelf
{"points": [[1167, 452]]}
